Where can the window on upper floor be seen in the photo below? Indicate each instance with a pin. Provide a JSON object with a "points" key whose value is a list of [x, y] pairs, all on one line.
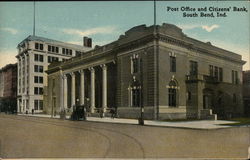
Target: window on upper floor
{"points": [[38, 68], [52, 59], [211, 70], [38, 58], [38, 79], [234, 77], [220, 74], [193, 68], [216, 72], [172, 64], [38, 46], [63, 51], [38, 90], [134, 64]]}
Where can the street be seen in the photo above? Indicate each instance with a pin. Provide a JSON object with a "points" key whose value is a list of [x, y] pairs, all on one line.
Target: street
{"points": [[33, 137]]}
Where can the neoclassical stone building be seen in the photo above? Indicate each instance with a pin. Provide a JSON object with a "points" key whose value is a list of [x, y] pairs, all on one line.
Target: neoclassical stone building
{"points": [[160, 68]]}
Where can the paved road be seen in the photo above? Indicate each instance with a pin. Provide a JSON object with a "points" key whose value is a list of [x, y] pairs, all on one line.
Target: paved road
{"points": [[33, 137]]}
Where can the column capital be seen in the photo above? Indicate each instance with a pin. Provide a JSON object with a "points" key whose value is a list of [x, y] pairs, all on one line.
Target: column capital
{"points": [[64, 76], [72, 74], [103, 66], [81, 71], [91, 69]]}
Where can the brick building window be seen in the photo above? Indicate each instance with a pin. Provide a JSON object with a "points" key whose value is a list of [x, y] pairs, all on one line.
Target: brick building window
{"points": [[172, 64]]}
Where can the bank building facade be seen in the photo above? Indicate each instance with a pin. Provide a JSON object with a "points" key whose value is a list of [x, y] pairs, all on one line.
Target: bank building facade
{"points": [[158, 67]]}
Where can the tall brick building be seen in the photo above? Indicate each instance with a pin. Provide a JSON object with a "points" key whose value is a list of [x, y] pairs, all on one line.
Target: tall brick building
{"points": [[246, 92], [158, 67], [9, 87]]}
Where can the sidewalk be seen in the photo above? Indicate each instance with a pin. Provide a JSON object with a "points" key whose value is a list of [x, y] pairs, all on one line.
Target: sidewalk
{"points": [[202, 124]]}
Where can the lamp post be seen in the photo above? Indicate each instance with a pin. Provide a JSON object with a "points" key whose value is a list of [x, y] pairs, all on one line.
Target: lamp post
{"points": [[141, 122]]}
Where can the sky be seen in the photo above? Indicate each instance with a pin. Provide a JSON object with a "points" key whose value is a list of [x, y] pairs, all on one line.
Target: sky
{"points": [[104, 22]]}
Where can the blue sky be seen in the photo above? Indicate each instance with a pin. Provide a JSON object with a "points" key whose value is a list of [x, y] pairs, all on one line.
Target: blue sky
{"points": [[105, 21]]}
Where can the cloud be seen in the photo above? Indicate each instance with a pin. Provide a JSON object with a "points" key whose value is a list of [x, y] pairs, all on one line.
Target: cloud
{"points": [[92, 31], [188, 27], [193, 26], [10, 30], [7, 57], [210, 28], [75, 42]]}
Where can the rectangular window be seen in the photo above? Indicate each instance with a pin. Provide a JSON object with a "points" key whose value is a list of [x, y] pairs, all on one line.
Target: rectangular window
{"points": [[40, 79], [49, 59], [41, 69], [216, 73], [41, 104], [57, 50], [220, 74], [135, 65], [36, 45], [36, 79], [36, 104], [49, 48], [193, 68], [38, 90], [63, 51], [53, 48], [41, 46], [70, 52], [234, 77], [41, 58], [38, 68], [172, 64], [36, 58], [211, 70]]}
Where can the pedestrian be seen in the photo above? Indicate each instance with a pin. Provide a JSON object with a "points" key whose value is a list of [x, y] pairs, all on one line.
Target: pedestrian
{"points": [[32, 111], [112, 113]]}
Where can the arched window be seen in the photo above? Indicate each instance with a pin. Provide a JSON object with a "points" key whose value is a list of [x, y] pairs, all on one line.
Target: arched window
{"points": [[172, 94]]}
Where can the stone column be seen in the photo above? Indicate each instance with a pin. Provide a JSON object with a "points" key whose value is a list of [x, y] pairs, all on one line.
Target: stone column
{"points": [[73, 98], [104, 87], [65, 92], [61, 92], [92, 92], [82, 87], [25, 75], [200, 87]]}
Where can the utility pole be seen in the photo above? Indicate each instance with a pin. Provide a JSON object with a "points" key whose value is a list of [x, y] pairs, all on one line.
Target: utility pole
{"points": [[34, 20], [156, 108], [141, 92]]}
